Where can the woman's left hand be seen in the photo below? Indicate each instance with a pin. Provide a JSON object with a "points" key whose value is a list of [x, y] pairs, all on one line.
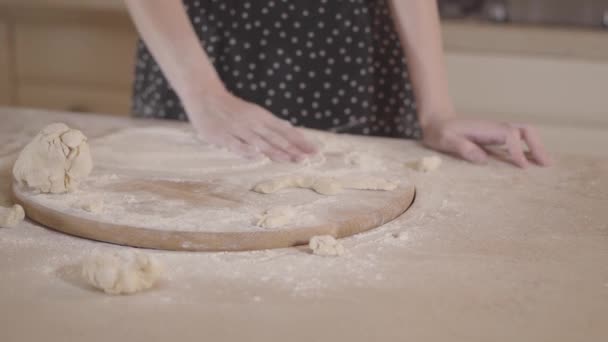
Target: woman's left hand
{"points": [[467, 139]]}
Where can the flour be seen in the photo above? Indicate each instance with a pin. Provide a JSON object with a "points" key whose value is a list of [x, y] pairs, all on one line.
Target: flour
{"points": [[277, 216], [403, 236], [425, 164], [165, 149], [141, 209], [466, 254], [163, 178], [371, 262], [287, 270], [364, 161]]}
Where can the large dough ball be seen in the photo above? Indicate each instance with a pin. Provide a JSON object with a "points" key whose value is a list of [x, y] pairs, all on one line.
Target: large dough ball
{"points": [[55, 161], [121, 273]]}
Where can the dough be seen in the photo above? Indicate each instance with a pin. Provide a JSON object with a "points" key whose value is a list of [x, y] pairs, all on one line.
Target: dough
{"points": [[55, 161], [325, 245], [121, 273], [324, 185], [10, 217], [94, 205], [276, 217], [426, 164]]}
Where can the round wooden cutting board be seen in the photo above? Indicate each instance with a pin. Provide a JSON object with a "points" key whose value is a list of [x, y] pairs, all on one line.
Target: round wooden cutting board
{"points": [[161, 190]]}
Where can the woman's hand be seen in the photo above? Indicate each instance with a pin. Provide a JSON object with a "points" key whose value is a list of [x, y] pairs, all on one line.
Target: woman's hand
{"points": [[419, 29], [246, 128], [219, 117], [467, 139]]}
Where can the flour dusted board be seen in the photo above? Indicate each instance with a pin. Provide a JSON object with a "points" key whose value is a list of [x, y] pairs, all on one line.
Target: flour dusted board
{"points": [[161, 188]]}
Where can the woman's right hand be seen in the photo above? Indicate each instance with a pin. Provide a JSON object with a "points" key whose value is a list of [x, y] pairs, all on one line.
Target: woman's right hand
{"points": [[219, 117], [247, 129]]}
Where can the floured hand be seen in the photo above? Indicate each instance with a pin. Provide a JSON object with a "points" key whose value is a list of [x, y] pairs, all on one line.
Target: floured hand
{"points": [[247, 129]]}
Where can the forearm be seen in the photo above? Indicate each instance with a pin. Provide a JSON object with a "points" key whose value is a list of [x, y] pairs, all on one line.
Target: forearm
{"points": [[418, 26], [170, 37]]}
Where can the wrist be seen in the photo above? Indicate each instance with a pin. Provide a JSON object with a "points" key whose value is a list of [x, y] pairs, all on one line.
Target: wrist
{"points": [[195, 92], [429, 115]]}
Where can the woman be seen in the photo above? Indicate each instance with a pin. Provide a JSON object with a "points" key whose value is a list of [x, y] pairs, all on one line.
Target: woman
{"points": [[244, 72]]}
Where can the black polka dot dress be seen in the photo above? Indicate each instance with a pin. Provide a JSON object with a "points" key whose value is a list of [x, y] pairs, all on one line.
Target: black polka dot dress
{"points": [[334, 65]]}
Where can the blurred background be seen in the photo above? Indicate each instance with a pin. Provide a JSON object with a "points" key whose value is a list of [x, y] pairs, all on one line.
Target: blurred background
{"points": [[540, 61]]}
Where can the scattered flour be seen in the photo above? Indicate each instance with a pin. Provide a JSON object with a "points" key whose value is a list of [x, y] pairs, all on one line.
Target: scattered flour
{"points": [[286, 269], [159, 150], [403, 236], [425, 164], [277, 217], [364, 161]]}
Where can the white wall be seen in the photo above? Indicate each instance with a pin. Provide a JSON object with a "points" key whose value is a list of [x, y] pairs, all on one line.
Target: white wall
{"points": [[530, 88]]}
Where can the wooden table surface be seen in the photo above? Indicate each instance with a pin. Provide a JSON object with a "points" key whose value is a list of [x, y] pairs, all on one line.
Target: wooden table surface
{"points": [[487, 253]]}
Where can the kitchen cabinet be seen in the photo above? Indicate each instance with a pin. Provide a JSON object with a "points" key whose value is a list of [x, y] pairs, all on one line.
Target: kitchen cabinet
{"points": [[67, 56], [75, 98], [72, 53], [525, 40]]}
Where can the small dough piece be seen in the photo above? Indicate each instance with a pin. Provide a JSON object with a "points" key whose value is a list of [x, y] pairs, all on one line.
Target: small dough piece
{"points": [[10, 217], [55, 161], [324, 185], [426, 164], [326, 245], [94, 205], [121, 273], [276, 217]]}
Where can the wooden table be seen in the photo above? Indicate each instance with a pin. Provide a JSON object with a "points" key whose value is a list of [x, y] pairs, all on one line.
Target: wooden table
{"points": [[487, 253]]}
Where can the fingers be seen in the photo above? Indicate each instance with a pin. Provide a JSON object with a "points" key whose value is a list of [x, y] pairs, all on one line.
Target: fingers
{"points": [[490, 133], [261, 145], [239, 147], [247, 128], [279, 142], [468, 150], [536, 147], [282, 136], [456, 144], [294, 136], [515, 146]]}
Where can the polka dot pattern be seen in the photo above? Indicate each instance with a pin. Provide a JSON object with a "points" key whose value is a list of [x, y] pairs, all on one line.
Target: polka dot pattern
{"points": [[326, 64]]}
